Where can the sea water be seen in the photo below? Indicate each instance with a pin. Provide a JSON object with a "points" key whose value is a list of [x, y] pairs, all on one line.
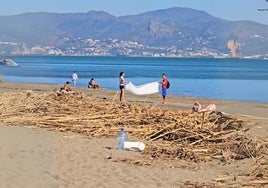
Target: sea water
{"points": [[233, 79]]}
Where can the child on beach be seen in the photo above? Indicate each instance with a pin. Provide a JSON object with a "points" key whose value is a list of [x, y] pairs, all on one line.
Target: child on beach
{"points": [[74, 78]]}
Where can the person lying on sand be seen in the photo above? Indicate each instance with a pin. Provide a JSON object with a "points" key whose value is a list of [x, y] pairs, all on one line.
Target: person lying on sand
{"points": [[198, 108]]}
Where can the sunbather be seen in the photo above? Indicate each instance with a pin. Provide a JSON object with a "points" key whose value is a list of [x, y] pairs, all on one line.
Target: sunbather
{"points": [[198, 108]]}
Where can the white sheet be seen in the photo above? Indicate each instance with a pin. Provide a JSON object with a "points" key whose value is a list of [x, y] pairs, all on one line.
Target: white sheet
{"points": [[144, 89]]}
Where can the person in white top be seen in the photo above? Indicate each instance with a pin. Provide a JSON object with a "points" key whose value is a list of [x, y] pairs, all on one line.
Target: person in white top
{"points": [[74, 78]]}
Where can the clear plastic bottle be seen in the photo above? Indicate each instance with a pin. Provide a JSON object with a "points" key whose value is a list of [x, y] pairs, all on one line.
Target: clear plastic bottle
{"points": [[121, 138]]}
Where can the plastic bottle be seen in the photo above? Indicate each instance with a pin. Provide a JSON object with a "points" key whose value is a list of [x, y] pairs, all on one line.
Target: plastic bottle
{"points": [[121, 138]]}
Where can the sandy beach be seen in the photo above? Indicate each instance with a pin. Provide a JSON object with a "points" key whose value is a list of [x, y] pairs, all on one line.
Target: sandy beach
{"points": [[40, 156]]}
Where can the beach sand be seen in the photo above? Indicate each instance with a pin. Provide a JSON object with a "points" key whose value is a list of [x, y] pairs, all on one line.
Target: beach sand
{"points": [[34, 157]]}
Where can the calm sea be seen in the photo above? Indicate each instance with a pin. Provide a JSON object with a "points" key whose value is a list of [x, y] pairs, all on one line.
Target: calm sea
{"points": [[234, 79]]}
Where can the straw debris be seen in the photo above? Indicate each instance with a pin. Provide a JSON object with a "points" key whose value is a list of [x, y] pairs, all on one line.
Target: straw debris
{"points": [[170, 134]]}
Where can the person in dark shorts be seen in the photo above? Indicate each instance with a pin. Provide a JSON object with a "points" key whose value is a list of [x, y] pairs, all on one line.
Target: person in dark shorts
{"points": [[122, 83]]}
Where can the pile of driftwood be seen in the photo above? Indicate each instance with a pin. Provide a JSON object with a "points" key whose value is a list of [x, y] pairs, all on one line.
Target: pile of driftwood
{"points": [[170, 134]]}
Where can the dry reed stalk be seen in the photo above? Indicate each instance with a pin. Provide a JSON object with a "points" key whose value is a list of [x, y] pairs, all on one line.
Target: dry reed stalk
{"points": [[170, 133]]}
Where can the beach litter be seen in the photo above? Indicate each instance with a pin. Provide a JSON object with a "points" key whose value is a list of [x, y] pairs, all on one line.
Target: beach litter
{"points": [[171, 134], [134, 146]]}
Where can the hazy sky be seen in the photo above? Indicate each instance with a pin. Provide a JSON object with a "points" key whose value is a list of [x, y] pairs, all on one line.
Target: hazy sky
{"points": [[255, 10]]}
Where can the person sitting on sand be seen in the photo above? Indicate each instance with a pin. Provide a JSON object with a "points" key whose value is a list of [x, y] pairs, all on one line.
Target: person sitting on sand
{"points": [[93, 84], [198, 108], [61, 91], [67, 87]]}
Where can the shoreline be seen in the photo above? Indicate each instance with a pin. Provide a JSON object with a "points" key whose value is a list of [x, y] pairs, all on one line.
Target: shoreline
{"points": [[256, 113], [182, 102], [85, 87]]}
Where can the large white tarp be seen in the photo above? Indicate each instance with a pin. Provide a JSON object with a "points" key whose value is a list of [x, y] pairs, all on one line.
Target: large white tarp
{"points": [[144, 89]]}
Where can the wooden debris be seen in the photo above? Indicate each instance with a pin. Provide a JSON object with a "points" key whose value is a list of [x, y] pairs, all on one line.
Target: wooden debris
{"points": [[183, 131], [170, 134]]}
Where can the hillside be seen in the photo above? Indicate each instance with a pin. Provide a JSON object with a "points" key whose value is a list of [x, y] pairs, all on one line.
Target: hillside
{"points": [[181, 31]]}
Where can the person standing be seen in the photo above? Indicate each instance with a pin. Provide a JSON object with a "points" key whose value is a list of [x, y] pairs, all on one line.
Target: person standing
{"points": [[122, 83], [164, 87], [74, 78]]}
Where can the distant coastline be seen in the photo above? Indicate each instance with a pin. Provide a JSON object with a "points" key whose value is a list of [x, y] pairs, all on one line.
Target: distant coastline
{"points": [[257, 57], [171, 32]]}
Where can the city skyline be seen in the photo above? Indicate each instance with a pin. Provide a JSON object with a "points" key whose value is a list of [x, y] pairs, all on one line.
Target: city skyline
{"points": [[253, 10]]}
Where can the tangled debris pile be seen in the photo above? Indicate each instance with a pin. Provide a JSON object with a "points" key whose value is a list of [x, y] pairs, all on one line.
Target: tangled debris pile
{"points": [[169, 133]]}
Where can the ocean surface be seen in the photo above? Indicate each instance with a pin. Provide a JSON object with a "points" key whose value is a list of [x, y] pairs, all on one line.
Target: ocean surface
{"points": [[231, 79]]}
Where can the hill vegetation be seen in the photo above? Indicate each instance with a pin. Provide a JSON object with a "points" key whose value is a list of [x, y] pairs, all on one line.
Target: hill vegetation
{"points": [[174, 31]]}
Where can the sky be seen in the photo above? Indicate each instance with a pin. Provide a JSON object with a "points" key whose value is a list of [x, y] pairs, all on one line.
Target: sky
{"points": [[234, 10]]}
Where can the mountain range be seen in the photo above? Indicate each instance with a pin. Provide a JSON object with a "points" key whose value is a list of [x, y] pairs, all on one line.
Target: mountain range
{"points": [[173, 28]]}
